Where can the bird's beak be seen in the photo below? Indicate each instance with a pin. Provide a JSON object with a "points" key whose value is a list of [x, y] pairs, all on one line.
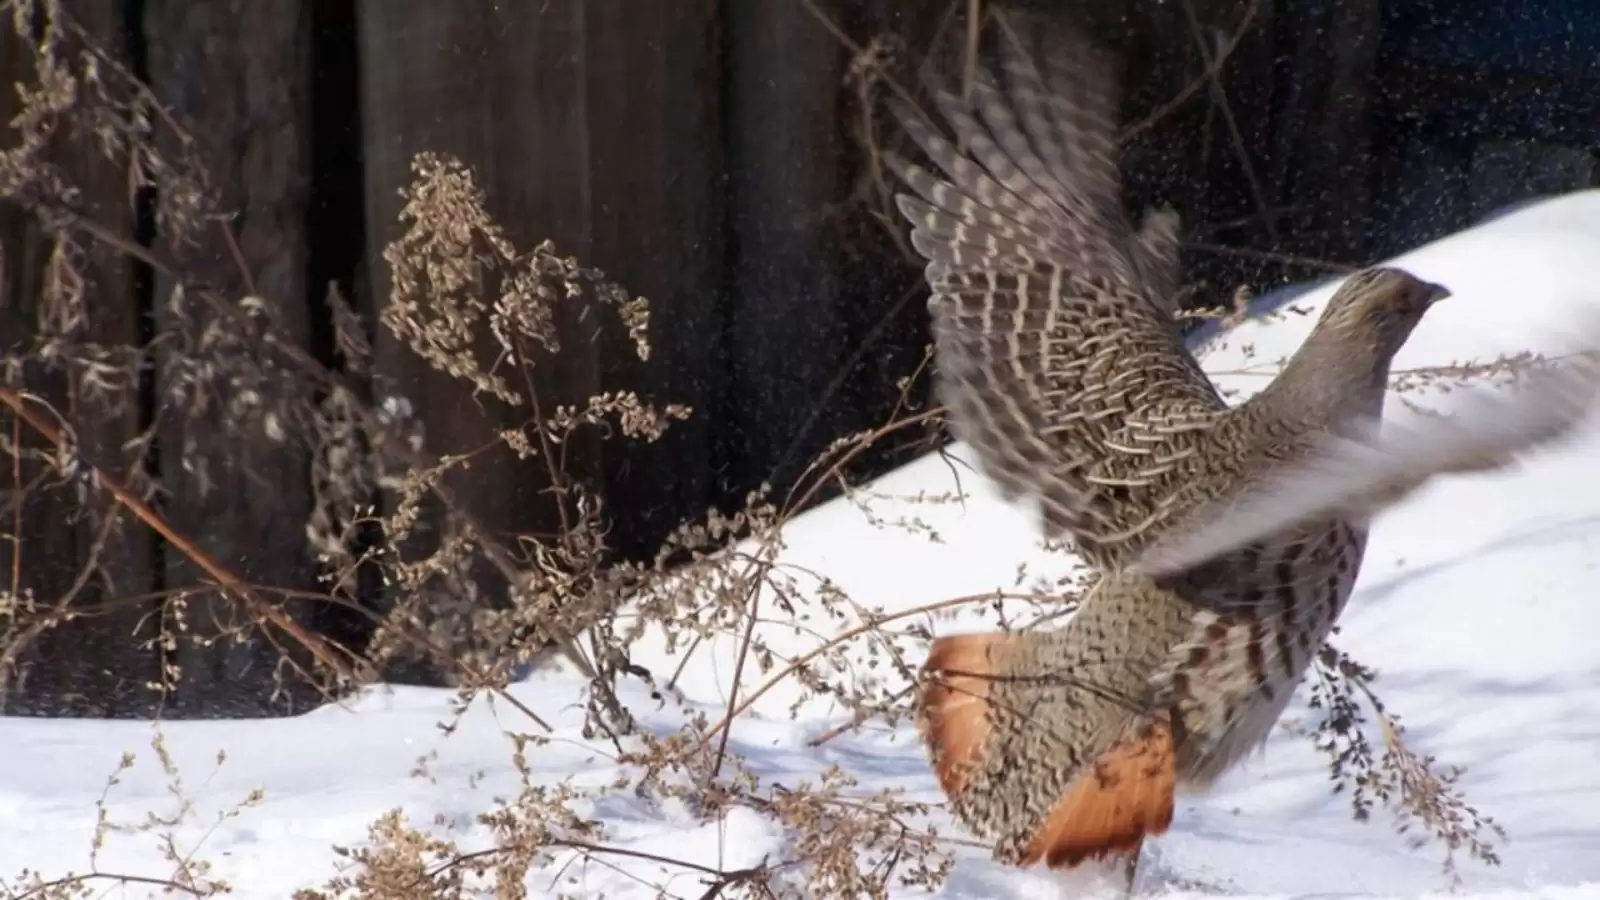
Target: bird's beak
{"points": [[1437, 292]]}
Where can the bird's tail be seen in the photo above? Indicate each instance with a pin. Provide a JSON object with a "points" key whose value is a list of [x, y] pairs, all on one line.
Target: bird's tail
{"points": [[1046, 791]]}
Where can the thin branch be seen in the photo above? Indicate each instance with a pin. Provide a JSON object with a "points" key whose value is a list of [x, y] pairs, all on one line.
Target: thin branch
{"points": [[1220, 94], [46, 887], [1213, 70], [849, 634]]}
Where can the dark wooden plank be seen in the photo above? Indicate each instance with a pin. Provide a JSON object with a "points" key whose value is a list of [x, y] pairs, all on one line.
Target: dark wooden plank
{"points": [[1325, 133], [237, 72], [503, 88], [881, 309], [94, 665], [652, 83], [785, 339], [1181, 150]]}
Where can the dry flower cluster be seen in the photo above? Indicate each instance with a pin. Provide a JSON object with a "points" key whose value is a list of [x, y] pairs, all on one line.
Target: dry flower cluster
{"points": [[459, 286]]}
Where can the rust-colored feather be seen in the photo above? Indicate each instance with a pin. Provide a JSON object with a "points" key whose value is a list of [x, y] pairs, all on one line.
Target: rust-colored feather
{"points": [[1110, 809], [954, 702], [1124, 795]]}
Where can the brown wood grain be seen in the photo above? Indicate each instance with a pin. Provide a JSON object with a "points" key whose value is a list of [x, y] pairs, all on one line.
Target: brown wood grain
{"points": [[94, 665]]}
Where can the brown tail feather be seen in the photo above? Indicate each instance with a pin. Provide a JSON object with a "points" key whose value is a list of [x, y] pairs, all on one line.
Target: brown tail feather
{"points": [[952, 707], [1110, 810]]}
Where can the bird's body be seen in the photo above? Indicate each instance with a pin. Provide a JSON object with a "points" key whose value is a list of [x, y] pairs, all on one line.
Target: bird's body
{"points": [[1060, 364], [1199, 665]]}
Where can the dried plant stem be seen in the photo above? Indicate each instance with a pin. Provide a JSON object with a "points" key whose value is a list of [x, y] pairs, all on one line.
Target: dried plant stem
{"points": [[498, 555], [837, 640], [494, 551], [1212, 70], [318, 648], [857, 719], [16, 511], [47, 888], [753, 601]]}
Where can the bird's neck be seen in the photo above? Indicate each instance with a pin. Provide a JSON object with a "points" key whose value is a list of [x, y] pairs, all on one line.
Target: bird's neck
{"points": [[1329, 381]]}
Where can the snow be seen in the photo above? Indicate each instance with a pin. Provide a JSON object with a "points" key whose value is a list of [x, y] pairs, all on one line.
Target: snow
{"points": [[1475, 604]]}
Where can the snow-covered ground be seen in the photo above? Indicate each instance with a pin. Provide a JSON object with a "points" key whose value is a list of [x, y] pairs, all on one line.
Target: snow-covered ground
{"points": [[1477, 604]]}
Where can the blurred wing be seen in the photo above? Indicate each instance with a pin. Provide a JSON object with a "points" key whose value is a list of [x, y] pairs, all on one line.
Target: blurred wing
{"points": [[1362, 475], [1050, 342], [1157, 253]]}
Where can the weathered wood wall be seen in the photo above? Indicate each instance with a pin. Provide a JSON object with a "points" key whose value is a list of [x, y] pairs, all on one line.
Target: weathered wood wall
{"points": [[94, 665], [595, 125], [706, 155], [240, 72]]}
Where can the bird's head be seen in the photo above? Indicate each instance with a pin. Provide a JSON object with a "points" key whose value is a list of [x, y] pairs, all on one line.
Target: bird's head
{"points": [[1377, 308]]}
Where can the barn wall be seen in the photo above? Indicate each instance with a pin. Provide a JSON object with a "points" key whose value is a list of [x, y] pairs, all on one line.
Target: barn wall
{"points": [[711, 156]]}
